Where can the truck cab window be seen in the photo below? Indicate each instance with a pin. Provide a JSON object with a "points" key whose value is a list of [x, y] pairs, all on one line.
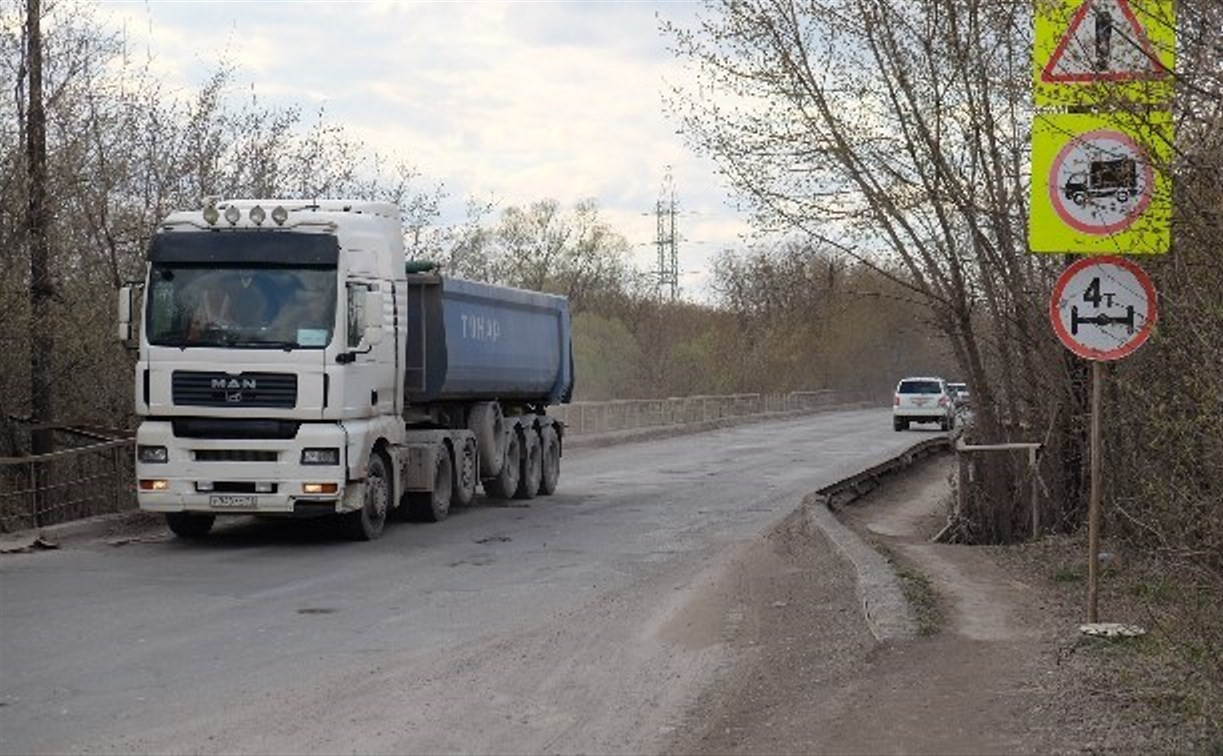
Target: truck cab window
{"points": [[241, 306]]}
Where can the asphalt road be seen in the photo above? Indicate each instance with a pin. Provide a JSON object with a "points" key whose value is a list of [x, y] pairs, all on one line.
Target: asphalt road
{"points": [[541, 627]]}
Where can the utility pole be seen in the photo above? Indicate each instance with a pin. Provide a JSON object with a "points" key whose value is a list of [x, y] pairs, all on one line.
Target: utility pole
{"points": [[667, 273]]}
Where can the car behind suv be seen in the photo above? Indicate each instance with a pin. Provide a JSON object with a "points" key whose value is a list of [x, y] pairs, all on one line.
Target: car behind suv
{"points": [[959, 394], [923, 400]]}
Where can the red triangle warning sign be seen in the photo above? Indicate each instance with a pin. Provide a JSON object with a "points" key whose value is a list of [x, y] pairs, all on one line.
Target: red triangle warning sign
{"points": [[1105, 42]]}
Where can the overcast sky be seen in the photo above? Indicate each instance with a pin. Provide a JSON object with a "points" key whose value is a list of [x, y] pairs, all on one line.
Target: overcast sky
{"points": [[519, 101]]}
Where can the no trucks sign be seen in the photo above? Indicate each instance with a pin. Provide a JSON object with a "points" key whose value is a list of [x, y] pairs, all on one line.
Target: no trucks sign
{"points": [[1100, 184]]}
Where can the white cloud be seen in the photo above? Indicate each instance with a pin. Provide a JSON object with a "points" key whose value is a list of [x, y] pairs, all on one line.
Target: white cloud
{"points": [[518, 100]]}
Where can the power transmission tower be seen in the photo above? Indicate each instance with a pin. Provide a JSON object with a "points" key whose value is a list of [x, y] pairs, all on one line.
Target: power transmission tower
{"points": [[666, 239]]}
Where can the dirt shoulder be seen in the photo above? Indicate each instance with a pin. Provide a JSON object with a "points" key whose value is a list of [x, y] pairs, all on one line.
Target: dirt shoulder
{"points": [[999, 666]]}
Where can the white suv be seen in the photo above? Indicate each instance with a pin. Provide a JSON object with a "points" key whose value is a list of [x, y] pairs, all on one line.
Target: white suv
{"points": [[923, 400]]}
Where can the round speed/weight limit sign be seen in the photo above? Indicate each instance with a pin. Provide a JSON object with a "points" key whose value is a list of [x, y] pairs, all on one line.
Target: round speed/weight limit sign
{"points": [[1103, 308]]}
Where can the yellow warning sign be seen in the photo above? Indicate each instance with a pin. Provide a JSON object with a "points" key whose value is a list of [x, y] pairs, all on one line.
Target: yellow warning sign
{"points": [[1103, 52], [1100, 183]]}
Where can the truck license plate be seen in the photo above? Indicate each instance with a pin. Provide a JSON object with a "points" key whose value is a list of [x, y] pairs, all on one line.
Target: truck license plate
{"points": [[232, 501]]}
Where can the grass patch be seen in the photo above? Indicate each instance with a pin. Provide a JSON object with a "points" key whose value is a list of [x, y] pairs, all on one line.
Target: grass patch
{"points": [[918, 591], [1067, 575], [923, 599]]}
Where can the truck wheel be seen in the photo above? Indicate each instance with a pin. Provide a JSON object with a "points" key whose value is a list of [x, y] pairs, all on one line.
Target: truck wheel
{"points": [[368, 522], [466, 474], [487, 423], [944, 424], [551, 461], [1122, 195], [505, 483], [191, 526], [532, 467], [1079, 198], [433, 506], [900, 424]]}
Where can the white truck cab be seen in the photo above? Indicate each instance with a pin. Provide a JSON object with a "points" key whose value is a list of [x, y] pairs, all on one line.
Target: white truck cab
{"points": [[267, 358]]}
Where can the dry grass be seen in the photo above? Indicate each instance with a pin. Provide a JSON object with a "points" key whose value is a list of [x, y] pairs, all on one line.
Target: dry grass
{"points": [[1162, 692]]}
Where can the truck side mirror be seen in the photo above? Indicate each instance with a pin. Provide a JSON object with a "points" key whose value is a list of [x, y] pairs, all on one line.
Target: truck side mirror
{"points": [[371, 318], [125, 314]]}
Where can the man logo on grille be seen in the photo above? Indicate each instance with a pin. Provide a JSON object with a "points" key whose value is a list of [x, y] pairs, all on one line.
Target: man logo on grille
{"points": [[233, 387]]}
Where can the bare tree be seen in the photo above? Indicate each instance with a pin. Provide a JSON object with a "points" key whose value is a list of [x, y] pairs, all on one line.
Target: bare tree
{"points": [[544, 247], [41, 283]]}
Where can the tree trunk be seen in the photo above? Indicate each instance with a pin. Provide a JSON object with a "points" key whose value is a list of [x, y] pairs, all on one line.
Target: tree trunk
{"points": [[41, 286]]}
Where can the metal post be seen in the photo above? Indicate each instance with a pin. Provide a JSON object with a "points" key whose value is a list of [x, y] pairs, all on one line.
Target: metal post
{"points": [[1093, 510], [1035, 497], [961, 494], [32, 488]]}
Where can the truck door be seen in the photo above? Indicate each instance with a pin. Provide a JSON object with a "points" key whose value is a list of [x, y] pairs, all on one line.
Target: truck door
{"points": [[369, 387]]}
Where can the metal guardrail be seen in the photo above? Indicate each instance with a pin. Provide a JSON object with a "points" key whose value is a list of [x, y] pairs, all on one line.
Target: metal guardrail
{"points": [[859, 484], [98, 478]]}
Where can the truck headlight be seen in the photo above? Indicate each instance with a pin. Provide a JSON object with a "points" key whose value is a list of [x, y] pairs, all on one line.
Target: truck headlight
{"points": [[320, 456], [152, 454]]}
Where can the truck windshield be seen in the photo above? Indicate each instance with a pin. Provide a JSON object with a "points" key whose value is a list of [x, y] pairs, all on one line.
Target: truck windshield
{"points": [[241, 306]]}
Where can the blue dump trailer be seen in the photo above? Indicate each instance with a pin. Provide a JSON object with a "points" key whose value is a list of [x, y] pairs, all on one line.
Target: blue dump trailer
{"points": [[468, 340]]}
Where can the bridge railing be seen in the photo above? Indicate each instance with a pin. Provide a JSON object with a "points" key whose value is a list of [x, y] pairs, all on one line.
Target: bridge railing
{"points": [[585, 418], [71, 484]]}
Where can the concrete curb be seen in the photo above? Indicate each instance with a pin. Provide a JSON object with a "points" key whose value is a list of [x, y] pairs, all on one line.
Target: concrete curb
{"points": [[887, 611], [117, 524], [884, 605]]}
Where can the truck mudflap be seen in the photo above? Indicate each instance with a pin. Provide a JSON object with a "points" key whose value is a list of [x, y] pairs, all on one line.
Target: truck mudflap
{"points": [[419, 462], [353, 498]]}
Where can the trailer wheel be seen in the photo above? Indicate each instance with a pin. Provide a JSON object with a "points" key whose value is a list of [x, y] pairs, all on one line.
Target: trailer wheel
{"points": [[551, 444], [505, 483], [191, 526], [433, 506], [466, 474], [487, 423], [368, 522], [532, 466]]}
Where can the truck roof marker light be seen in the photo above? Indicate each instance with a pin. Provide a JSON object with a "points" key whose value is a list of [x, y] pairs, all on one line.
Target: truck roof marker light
{"points": [[258, 215], [211, 214], [233, 215], [280, 215]]}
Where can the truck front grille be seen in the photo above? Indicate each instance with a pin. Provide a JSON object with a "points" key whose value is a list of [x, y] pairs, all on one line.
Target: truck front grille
{"points": [[200, 389], [235, 455]]}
